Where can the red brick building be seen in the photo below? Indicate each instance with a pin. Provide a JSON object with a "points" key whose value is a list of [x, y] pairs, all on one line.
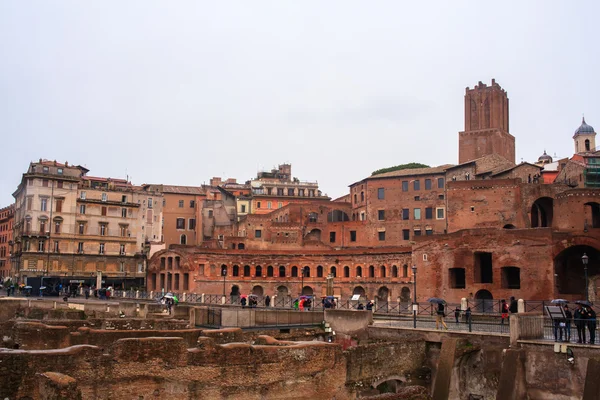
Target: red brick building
{"points": [[7, 215], [486, 228]]}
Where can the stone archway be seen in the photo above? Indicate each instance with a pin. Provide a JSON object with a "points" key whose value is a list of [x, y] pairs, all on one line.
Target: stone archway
{"points": [[569, 271], [235, 290]]}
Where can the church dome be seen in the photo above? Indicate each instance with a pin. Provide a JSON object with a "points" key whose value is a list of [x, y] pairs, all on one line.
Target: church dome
{"points": [[545, 158], [584, 128]]}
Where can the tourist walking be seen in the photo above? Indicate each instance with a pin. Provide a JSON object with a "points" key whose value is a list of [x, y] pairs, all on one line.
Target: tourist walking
{"points": [[580, 319], [468, 315], [457, 314], [267, 301], [503, 311], [440, 315], [591, 324]]}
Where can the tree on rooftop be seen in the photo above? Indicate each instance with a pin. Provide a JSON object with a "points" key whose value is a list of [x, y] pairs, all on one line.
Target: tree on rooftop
{"points": [[412, 165]]}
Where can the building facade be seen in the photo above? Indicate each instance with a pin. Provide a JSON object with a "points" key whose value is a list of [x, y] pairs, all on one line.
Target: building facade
{"points": [[7, 215], [71, 228]]}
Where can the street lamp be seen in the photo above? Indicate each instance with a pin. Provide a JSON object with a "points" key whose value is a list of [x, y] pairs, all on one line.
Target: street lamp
{"points": [[224, 275], [415, 304], [302, 284], [584, 260]]}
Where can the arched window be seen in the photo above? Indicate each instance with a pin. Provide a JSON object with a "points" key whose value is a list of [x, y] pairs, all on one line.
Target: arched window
{"points": [[359, 271], [371, 271], [346, 272], [246, 270], [241, 246], [394, 271], [382, 271], [294, 271], [236, 270], [333, 271], [405, 271], [183, 239], [319, 271], [258, 270], [306, 271], [587, 144], [282, 272], [270, 271]]}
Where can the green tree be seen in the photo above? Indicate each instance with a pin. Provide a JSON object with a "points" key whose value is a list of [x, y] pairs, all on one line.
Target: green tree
{"points": [[411, 165]]}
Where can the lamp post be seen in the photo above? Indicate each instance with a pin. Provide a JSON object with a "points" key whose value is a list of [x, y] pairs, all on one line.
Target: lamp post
{"points": [[584, 260], [415, 304], [224, 274]]}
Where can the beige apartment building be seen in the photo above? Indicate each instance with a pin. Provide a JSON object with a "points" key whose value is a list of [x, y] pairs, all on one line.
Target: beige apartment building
{"points": [[71, 228]]}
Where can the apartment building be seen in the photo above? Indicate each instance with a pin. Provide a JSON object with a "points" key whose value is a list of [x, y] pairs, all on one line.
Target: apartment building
{"points": [[6, 236]]}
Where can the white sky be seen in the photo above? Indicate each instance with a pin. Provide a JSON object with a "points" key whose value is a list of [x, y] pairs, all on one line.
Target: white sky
{"points": [[179, 91]]}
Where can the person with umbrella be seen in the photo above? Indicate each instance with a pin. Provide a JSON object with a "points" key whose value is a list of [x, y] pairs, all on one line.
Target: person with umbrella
{"points": [[440, 313], [559, 324], [580, 316]]}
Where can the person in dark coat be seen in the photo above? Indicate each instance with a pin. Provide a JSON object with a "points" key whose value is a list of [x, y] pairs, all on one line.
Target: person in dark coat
{"points": [[513, 308], [591, 324], [568, 321], [457, 314], [267, 301], [243, 302], [580, 319]]}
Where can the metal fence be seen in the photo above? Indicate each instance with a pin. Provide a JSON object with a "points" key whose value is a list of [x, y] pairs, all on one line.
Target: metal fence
{"points": [[482, 323]]}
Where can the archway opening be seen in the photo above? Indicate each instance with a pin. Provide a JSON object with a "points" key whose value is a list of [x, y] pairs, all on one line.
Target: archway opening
{"points": [[235, 290], [258, 290], [389, 386], [314, 234], [484, 301], [570, 273], [542, 212], [307, 291], [282, 291], [382, 294], [359, 290], [405, 295]]}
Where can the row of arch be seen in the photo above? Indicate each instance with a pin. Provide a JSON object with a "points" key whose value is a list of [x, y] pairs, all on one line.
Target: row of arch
{"points": [[283, 291], [319, 272]]}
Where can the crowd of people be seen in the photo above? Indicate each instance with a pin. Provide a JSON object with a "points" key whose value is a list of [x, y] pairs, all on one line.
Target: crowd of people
{"points": [[584, 319]]}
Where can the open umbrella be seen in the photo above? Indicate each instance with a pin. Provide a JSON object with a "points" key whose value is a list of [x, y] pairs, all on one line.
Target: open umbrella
{"points": [[305, 297], [559, 301], [168, 295], [436, 300], [584, 303], [243, 296], [253, 295], [42, 287], [27, 287]]}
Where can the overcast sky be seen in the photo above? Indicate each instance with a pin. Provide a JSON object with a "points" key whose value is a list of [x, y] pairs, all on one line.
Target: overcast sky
{"points": [[179, 91]]}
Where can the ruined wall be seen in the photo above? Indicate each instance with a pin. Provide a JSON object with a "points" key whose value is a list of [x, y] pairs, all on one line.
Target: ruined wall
{"points": [[166, 368]]}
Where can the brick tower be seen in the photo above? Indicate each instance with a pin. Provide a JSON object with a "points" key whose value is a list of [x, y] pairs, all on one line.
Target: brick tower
{"points": [[486, 124]]}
